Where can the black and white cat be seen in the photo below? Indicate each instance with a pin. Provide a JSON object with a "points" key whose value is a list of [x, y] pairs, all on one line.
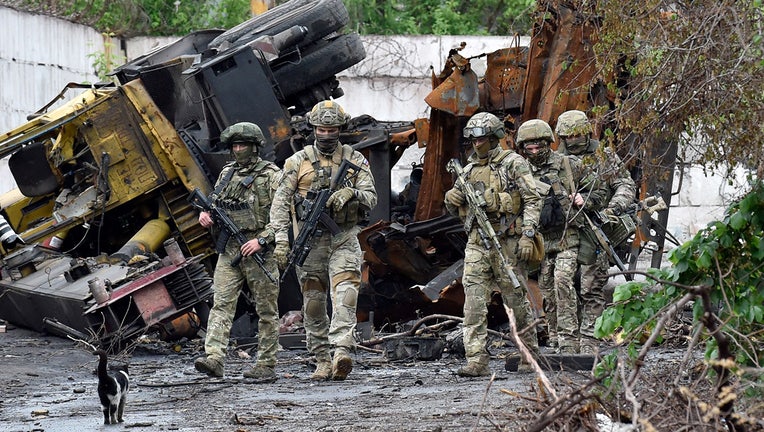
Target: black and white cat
{"points": [[112, 389]]}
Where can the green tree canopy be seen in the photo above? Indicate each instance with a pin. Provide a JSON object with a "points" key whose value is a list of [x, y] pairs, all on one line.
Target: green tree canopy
{"points": [[407, 17]]}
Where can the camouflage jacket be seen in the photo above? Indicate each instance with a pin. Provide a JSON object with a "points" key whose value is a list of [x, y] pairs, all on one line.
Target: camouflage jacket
{"points": [[605, 163], [505, 171], [299, 176], [554, 181], [244, 193]]}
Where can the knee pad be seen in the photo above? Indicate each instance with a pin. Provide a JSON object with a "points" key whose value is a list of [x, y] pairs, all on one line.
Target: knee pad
{"points": [[312, 284]]}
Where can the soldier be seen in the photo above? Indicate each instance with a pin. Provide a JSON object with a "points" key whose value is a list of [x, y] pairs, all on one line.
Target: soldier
{"points": [[512, 206], [565, 188], [334, 264], [575, 132], [243, 192]]}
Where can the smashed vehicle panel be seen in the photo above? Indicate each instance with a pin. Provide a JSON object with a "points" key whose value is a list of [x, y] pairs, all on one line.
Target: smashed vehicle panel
{"points": [[93, 173], [103, 180]]}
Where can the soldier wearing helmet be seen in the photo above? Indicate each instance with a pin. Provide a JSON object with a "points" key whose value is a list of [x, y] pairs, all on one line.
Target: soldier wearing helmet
{"points": [[504, 180], [566, 187], [574, 130], [243, 192], [333, 266], [327, 119]]}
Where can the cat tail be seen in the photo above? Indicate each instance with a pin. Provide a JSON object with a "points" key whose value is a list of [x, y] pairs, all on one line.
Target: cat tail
{"points": [[102, 369]]}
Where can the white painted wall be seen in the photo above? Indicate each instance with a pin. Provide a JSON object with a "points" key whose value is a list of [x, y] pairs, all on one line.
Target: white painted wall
{"points": [[39, 55]]}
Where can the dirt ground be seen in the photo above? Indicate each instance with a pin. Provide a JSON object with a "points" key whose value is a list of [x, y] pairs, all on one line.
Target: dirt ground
{"points": [[48, 384]]}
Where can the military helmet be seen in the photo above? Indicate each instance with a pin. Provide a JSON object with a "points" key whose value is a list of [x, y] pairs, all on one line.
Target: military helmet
{"points": [[573, 123], [533, 130], [243, 132], [328, 113], [484, 124]]}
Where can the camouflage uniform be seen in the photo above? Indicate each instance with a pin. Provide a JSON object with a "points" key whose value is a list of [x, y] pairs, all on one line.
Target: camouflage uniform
{"points": [[248, 207], [621, 192], [561, 240], [502, 171], [334, 263]]}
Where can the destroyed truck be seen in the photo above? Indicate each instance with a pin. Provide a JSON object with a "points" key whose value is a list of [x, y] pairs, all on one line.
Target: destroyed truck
{"points": [[103, 181], [99, 240]]}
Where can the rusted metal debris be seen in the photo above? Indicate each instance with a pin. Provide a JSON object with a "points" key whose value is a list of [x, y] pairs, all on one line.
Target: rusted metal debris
{"points": [[119, 157]]}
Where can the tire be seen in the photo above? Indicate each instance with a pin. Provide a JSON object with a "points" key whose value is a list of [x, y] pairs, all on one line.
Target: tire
{"points": [[320, 63], [320, 17]]}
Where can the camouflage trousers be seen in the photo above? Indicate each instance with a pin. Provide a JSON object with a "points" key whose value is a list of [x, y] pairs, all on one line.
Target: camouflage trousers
{"points": [[560, 300], [228, 282], [594, 277], [483, 274], [334, 267]]}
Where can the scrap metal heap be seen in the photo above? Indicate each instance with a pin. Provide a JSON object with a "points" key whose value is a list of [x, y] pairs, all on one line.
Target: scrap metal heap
{"points": [[414, 269], [103, 180]]}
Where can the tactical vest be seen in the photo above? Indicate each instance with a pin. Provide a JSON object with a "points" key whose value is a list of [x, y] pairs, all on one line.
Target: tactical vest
{"points": [[494, 176], [314, 174], [244, 194], [555, 187]]}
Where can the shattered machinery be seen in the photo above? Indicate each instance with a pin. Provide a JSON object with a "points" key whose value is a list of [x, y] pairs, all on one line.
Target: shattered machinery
{"points": [[103, 180]]}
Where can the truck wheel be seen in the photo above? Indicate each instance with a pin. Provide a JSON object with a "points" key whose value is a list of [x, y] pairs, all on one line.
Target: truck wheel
{"points": [[320, 17], [311, 67]]}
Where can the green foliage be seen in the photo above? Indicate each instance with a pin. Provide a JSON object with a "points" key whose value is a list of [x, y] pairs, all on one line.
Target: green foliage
{"points": [[440, 17], [405, 17], [683, 84], [104, 61], [728, 256], [146, 17]]}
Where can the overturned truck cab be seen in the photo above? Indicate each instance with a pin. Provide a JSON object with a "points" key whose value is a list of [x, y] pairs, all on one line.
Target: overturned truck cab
{"points": [[103, 179]]}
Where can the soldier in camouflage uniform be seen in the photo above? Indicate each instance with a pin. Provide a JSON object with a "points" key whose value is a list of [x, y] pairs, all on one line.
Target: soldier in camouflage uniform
{"points": [[565, 187], [512, 206], [243, 192], [575, 132], [334, 264]]}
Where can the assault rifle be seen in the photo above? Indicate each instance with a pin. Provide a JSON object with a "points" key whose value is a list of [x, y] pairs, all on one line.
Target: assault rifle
{"points": [[593, 227], [229, 229], [314, 211], [596, 220], [476, 203]]}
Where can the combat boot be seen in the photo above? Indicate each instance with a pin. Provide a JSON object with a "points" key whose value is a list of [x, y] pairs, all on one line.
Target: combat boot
{"points": [[263, 373], [210, 366], [323, 371], [342, 365], [475, 368]]}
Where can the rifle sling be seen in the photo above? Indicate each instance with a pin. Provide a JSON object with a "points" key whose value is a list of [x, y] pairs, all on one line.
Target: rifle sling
{"points": [[223, 182]]}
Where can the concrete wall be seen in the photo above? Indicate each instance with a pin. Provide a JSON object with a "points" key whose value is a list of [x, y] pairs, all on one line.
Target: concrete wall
{"points": [[39, 55]]}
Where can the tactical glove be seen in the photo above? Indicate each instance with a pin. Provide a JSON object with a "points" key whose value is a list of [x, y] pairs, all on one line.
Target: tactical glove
{"points": [[611, 214], [525, 248], [340, 198], [455, 197], [280, 253]]}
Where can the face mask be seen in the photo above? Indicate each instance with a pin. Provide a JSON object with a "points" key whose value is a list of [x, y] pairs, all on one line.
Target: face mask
{"points": [[482, 149], [244, 155], [576, 145], [326, 143], [540, 157]]}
